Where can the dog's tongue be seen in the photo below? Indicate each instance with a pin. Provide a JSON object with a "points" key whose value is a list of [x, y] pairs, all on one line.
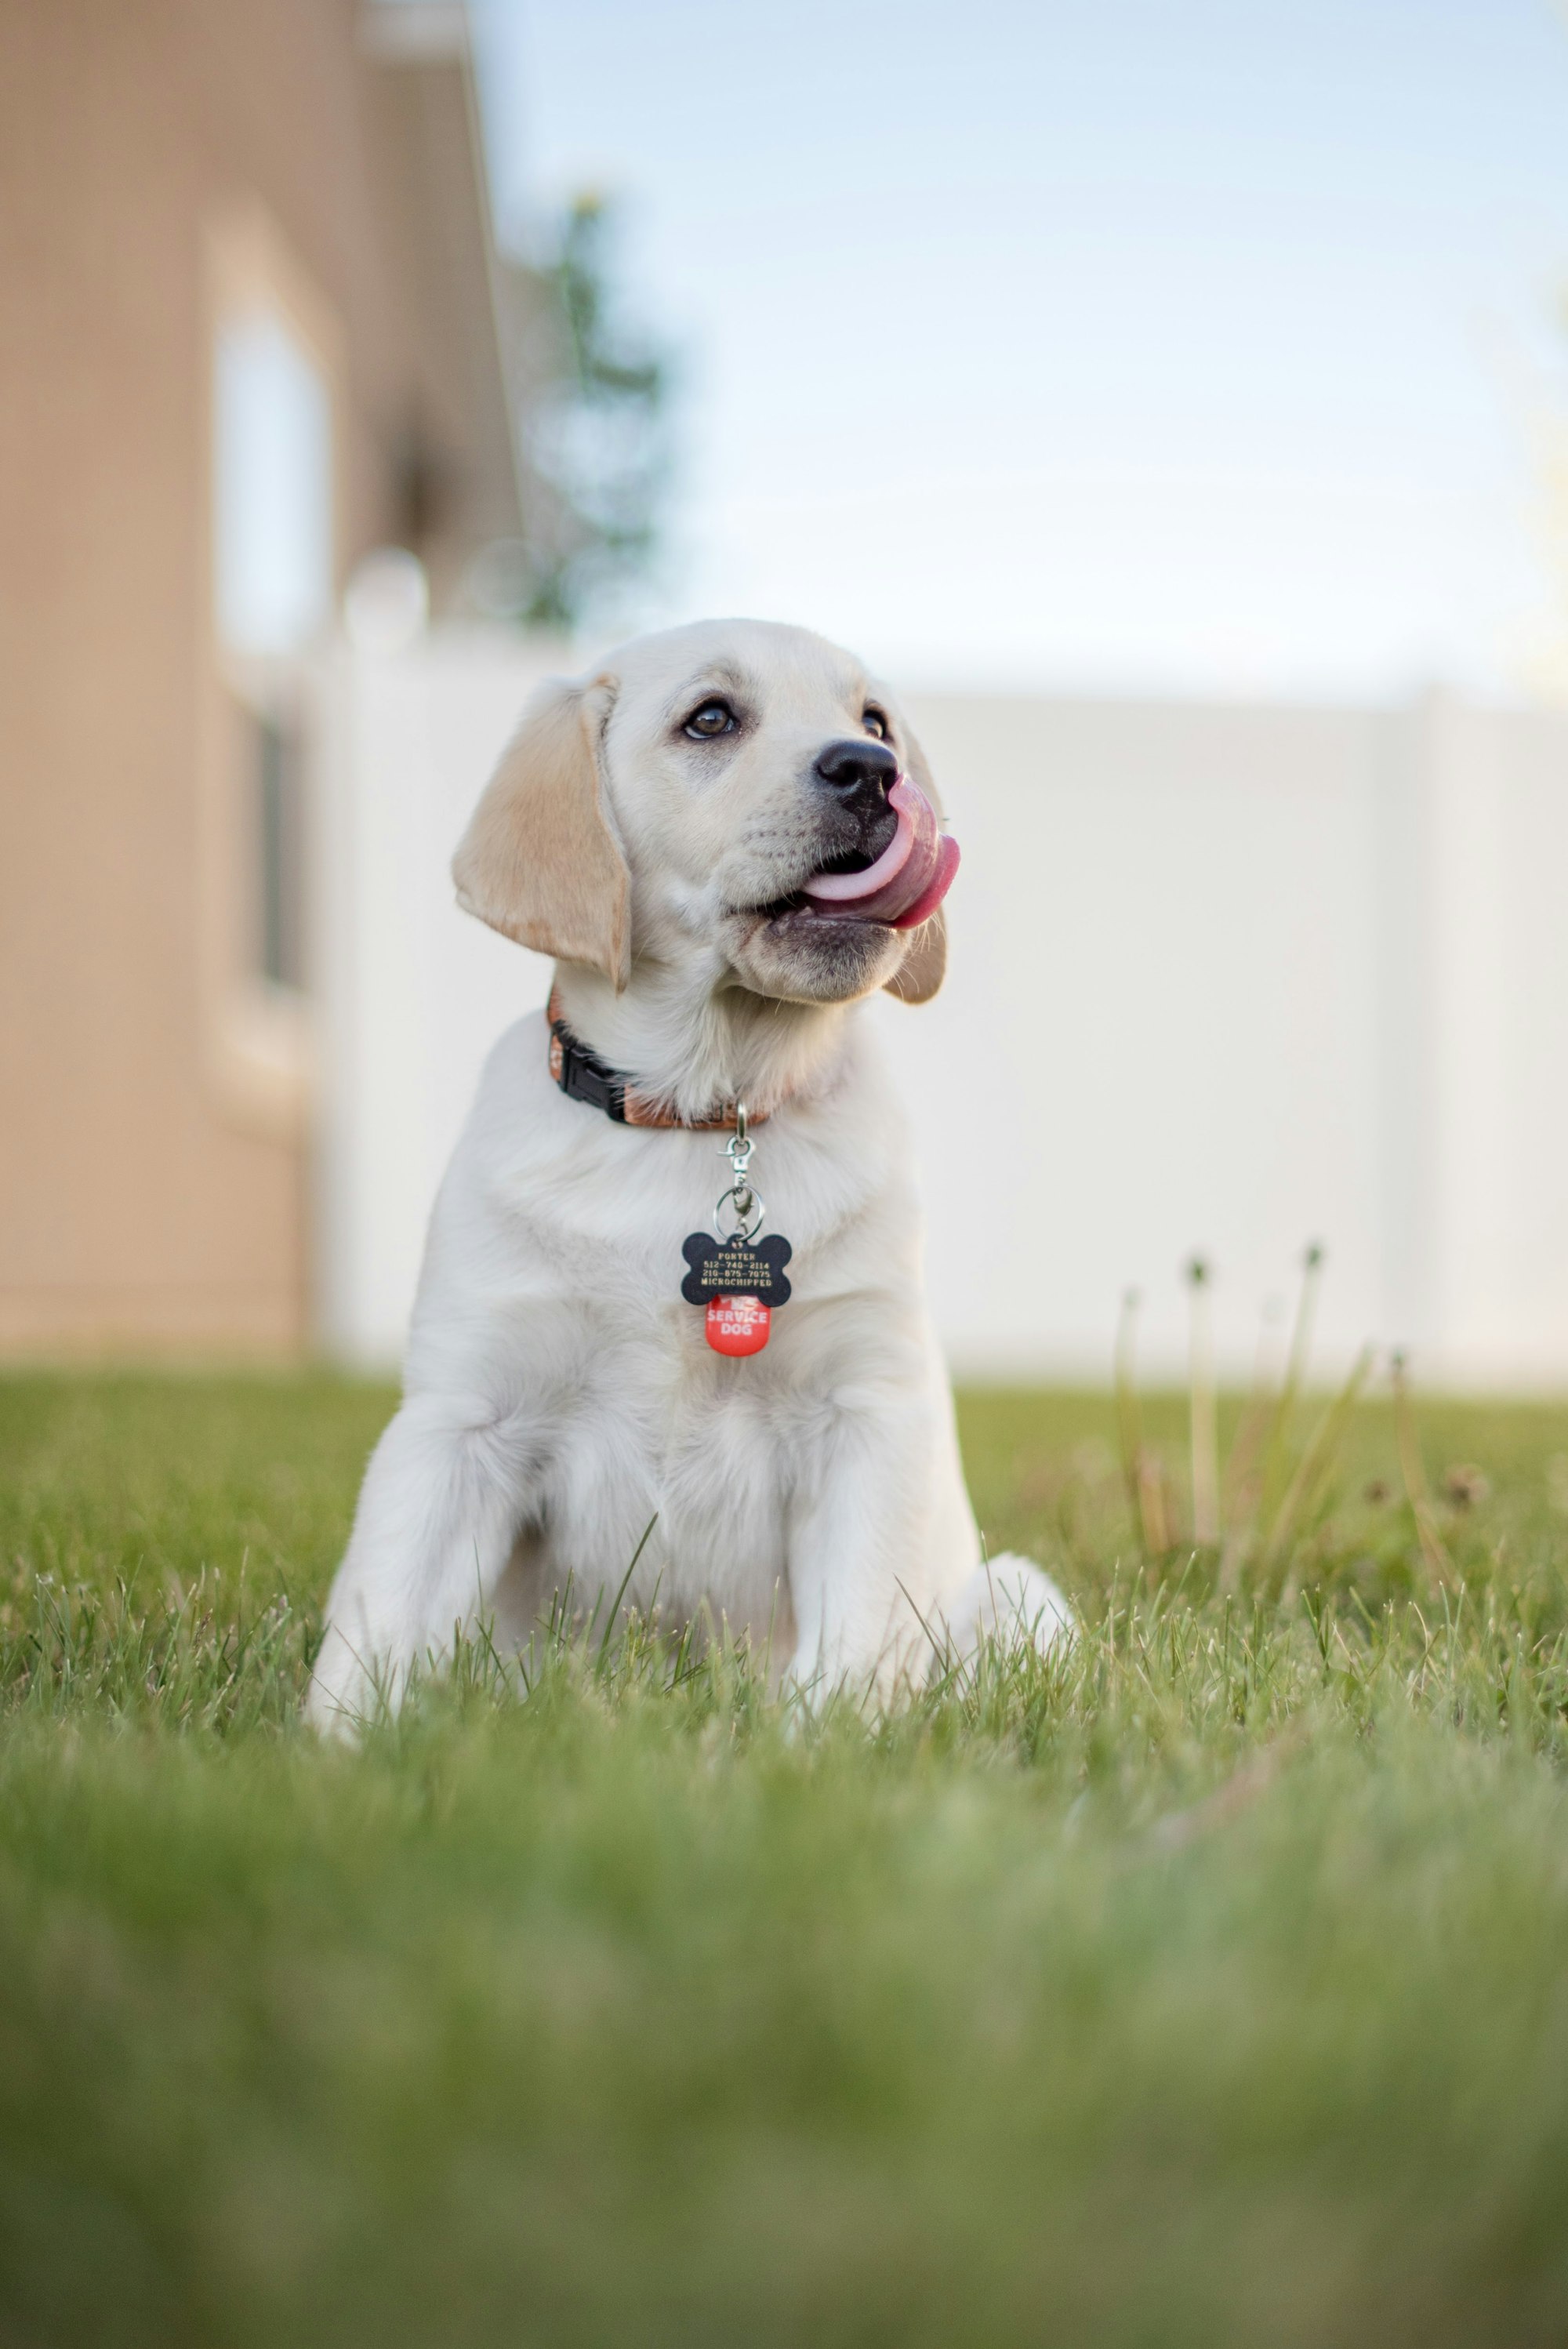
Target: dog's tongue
{"points": [[909, 879]]}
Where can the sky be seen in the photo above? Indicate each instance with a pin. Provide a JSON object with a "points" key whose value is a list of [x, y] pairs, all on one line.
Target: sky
{"points": [[1111, 347]]}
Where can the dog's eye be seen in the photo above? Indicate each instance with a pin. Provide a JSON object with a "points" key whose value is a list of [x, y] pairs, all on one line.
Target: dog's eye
{"points": [[710, 718], [874, 723]]}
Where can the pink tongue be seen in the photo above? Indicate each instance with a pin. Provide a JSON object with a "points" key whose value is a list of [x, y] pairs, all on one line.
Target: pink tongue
{"points": [[909, 879]]}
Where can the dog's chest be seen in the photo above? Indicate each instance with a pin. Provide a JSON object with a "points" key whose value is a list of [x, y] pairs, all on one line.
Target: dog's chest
{"points": [[569, 1274], [652, 1438]]}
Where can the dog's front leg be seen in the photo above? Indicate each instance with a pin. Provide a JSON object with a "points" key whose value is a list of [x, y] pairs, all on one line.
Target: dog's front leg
{"points": [[859, 1540], [445, 1493]]}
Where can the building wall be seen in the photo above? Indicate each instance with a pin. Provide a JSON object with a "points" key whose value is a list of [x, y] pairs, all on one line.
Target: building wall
{"points": [[149, 1195], [1222, 978]]}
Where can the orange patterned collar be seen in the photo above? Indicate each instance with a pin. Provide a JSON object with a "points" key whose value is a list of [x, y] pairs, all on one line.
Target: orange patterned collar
{"points": [[578, 1071]]}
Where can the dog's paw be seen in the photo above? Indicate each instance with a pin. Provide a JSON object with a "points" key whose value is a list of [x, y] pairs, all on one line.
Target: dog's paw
{"points": [[345, 1692], [1011, 1600]]}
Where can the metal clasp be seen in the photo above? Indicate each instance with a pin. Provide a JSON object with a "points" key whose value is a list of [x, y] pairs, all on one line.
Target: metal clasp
{"points": [[740, 1198]]}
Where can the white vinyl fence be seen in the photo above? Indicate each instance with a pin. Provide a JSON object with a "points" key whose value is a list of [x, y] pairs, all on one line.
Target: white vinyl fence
{"points": [[1224, 979]]}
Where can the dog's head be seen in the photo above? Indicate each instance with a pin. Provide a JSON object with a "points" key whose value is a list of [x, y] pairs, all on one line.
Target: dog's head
{"points": [[677, 804]]}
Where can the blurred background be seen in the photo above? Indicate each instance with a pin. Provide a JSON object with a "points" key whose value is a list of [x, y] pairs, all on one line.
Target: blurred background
{"points": [[1172, 404]]}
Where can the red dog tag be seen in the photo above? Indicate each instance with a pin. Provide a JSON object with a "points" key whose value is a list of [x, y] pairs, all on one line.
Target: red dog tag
{"points": [[740, 1285], [737, 1325]]}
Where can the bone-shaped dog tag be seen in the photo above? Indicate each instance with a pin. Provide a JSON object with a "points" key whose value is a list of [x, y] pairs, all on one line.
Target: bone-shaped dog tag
{"points": [[739, 1282]]}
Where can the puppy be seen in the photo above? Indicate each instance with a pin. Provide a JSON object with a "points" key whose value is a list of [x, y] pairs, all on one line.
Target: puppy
{"points": [[713, 836]]}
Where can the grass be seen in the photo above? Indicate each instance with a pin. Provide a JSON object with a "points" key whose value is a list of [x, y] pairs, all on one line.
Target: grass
{"points": [[1207, 1984]]}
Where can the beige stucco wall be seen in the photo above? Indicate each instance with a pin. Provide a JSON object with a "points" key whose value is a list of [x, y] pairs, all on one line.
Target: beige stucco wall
{"points": [[140, 1206]]}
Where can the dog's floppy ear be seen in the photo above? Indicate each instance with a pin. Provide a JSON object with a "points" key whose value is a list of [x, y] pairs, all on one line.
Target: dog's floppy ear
{"points": [[539, 861], [924, 966]]}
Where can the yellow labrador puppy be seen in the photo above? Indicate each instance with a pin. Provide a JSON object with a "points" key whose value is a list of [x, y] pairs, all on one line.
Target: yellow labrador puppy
{"points": [[728, 839]]}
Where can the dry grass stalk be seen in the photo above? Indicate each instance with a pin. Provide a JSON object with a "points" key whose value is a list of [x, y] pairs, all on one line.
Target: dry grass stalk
{"points": [[1433, 1550], [1274, 1475], [1240, 1487], [1312, 1470], [1266, 1495], [1202, 1413]]}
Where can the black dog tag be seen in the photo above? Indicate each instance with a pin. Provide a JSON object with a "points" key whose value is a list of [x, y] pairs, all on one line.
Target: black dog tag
{"points": [[735, 1267], [739, 1283]]}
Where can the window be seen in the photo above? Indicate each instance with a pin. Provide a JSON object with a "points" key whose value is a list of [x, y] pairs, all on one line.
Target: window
{"points": [[271, 575], [275, 367], [272, 555]]}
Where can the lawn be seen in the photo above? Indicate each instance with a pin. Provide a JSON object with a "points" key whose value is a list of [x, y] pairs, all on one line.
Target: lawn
{"points": [[1208, 1984]]}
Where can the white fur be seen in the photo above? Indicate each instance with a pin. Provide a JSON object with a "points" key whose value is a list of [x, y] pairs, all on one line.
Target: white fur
{"points": [[559, 1391]]}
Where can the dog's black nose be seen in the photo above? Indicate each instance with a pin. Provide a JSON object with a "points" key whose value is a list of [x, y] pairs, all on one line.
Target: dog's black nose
{"points": [[860, 774]]}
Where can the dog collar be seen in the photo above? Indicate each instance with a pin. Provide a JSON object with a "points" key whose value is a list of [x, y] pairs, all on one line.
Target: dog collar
{"points": [[737, 1278], [579, 1071]]}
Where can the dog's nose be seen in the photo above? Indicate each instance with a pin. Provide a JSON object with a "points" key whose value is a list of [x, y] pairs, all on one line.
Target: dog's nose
{"points": [[860, 774]]}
